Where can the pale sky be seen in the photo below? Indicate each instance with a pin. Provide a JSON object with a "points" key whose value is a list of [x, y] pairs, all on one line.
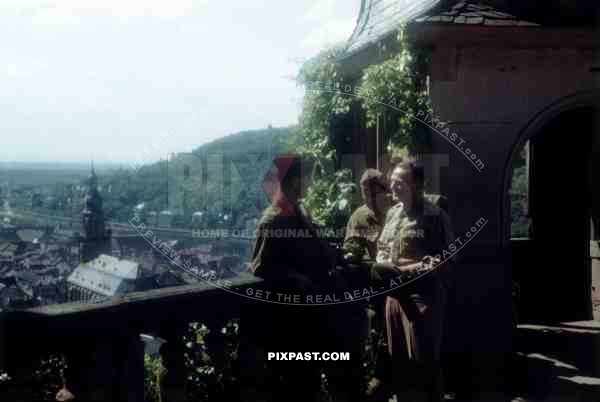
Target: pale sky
{"points": [[100, 79]]}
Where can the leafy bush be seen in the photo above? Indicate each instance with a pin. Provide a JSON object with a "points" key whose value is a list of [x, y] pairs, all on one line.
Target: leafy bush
{"points": [[400, 80], [396, 90], [320, 106], [153, 372], [211, 372], [332, 198]]}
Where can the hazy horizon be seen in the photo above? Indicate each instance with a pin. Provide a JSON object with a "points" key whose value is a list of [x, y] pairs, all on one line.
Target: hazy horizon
{"points": [[115, 163], [101, 81]]}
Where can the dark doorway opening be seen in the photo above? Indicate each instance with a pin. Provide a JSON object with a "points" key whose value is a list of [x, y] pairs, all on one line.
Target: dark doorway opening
{"points": [[552, 265]]}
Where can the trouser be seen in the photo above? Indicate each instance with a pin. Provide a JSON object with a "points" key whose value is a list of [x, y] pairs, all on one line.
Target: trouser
{"points": [[414, 322]]}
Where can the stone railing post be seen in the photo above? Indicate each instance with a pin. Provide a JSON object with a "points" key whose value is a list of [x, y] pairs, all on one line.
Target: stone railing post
{"points": [[173, 382]]}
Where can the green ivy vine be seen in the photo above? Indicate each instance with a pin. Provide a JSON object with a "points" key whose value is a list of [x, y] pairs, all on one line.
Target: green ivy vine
{"points": [[396, 90], [331, 198], [319, 107], [399, 81]]}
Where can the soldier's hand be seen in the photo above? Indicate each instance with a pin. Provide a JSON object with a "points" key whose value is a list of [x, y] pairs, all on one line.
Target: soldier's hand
{"points": [[64, 395], [410, 267]]}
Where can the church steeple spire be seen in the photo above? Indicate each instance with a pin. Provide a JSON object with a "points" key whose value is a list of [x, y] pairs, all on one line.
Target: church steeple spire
{"points": [[94, 236], [92, 179]]}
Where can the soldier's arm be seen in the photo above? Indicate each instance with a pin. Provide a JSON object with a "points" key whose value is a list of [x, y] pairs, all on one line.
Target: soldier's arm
{"points": [[383, 272], [408, 265], [354, 245]]}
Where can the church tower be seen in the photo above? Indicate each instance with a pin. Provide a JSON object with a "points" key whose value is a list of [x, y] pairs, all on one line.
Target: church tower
{"points": [[94, 239]]}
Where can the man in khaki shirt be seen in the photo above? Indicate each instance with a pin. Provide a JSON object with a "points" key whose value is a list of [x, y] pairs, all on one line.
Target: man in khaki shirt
{"points": [[415, 229], [365, 224], [360, 247]]}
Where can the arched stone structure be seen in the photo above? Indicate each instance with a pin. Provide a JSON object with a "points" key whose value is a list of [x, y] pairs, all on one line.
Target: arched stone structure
{"points": [[494, 83], [572, 102], [553, 267]]}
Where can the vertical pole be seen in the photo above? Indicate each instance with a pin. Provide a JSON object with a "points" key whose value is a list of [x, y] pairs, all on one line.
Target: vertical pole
{"points": [[378, 134], [172, 384], [527, 166]]}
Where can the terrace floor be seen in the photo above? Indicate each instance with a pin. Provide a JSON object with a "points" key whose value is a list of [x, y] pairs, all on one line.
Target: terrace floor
{"points": [[558, 363]]}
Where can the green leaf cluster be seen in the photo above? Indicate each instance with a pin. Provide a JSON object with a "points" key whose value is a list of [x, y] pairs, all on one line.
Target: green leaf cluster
{"points": [[331, 198], [319, 106], [395, 90]]}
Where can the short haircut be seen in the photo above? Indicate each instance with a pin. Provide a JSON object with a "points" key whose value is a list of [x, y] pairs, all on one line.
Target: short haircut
{"points": [[301, 166], [371, 181], [409, 164]]}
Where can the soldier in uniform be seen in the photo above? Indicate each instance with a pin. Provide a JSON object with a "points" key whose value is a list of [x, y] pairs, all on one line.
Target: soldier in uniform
{"points": [[360, 247], [416, 230], [365, 224], [360, 250], [293, 261]]}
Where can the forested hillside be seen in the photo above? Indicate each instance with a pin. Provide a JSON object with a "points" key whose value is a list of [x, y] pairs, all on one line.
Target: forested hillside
{"points": [[220, 183]]}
